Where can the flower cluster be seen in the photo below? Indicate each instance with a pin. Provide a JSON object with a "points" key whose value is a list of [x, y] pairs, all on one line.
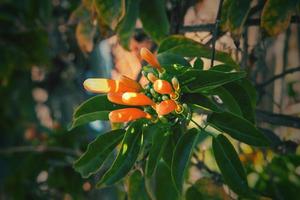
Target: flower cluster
{"points": [[157, 98]]}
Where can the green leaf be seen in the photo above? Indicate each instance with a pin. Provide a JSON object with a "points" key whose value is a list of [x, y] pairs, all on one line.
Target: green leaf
{"points": [[96, 103], [238, 128], [126, 27], [95, 108], [110, 12], [185, 47], [161, 185], [84, 119], [243, 99], [207, 189], [250, 90], [127, 155], [196, 80], [136, 187], [230, 165], [229, 103], [182, 155], [85, 32], [159, 141], [198, 64], [276, 15], [171, 59], [201, 101], [154, 19], [97, 152], [234, 15], [223, 68]]}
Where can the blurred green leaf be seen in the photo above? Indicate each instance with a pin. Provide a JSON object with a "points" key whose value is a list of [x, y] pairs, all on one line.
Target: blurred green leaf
{"points": [[85, 32], [159, 141], [185, 47], [160, 185], [154, 19], [136, 187], [207, 189], [126, 27], [276, 15], [181, 157], [127, 155], [110, 11], [230, 165], [238, 128], [195, 80], [97, 152], [234, 15]]}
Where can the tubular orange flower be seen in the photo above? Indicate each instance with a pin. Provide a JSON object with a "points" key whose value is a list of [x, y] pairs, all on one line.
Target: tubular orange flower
{"points": [[150, 58], [163, 87], [127, 114], [130, 98], [165, 107], [130, 83], [102, 85]]}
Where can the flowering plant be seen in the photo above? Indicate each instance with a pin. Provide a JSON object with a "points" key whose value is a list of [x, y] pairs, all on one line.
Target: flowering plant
{"points": [[162, 128]]}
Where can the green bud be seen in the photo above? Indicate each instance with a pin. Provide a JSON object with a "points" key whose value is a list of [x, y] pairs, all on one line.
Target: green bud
{"points": [[165, 97]]}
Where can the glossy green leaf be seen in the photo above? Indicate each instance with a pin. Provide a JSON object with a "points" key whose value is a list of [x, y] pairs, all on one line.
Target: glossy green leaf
{"points": [[94, 104], [110, 12], [234, 15], [154, 19], [238, 128], [276, 15], [195, 80], [159, 141], [201, 101], [136, 187], [198, 64], [185, 47], [160, 185], [127, 155], [223, 68], [97, 152], [243, 99], [250, 90], [182, 155], [126, 27], [228, 101], [90, 117], [171, 59], [207, 189], [95, 108], [230, 165]]}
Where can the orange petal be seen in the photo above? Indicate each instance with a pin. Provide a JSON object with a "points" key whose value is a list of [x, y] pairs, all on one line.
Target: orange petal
{"points": [[162, 87], [165, 107], [136, 99], [102, 85], [116, 97], [150, 58], [127, 114], [130, 83]]}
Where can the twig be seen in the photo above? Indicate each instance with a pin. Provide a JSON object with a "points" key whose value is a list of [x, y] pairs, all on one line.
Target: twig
{"points": [[284, 73], [278, 119], [38, 149], [215, 33]]}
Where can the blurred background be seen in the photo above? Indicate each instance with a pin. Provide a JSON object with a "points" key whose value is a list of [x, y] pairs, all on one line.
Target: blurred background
{"points": [[48, 48]]}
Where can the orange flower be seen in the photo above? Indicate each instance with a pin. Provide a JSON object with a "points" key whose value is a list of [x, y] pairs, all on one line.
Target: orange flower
{"points": [[127, 114], [130, 83], [130, 98], [102, 85], [165, 107], [163, 87], [150, 58]]}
